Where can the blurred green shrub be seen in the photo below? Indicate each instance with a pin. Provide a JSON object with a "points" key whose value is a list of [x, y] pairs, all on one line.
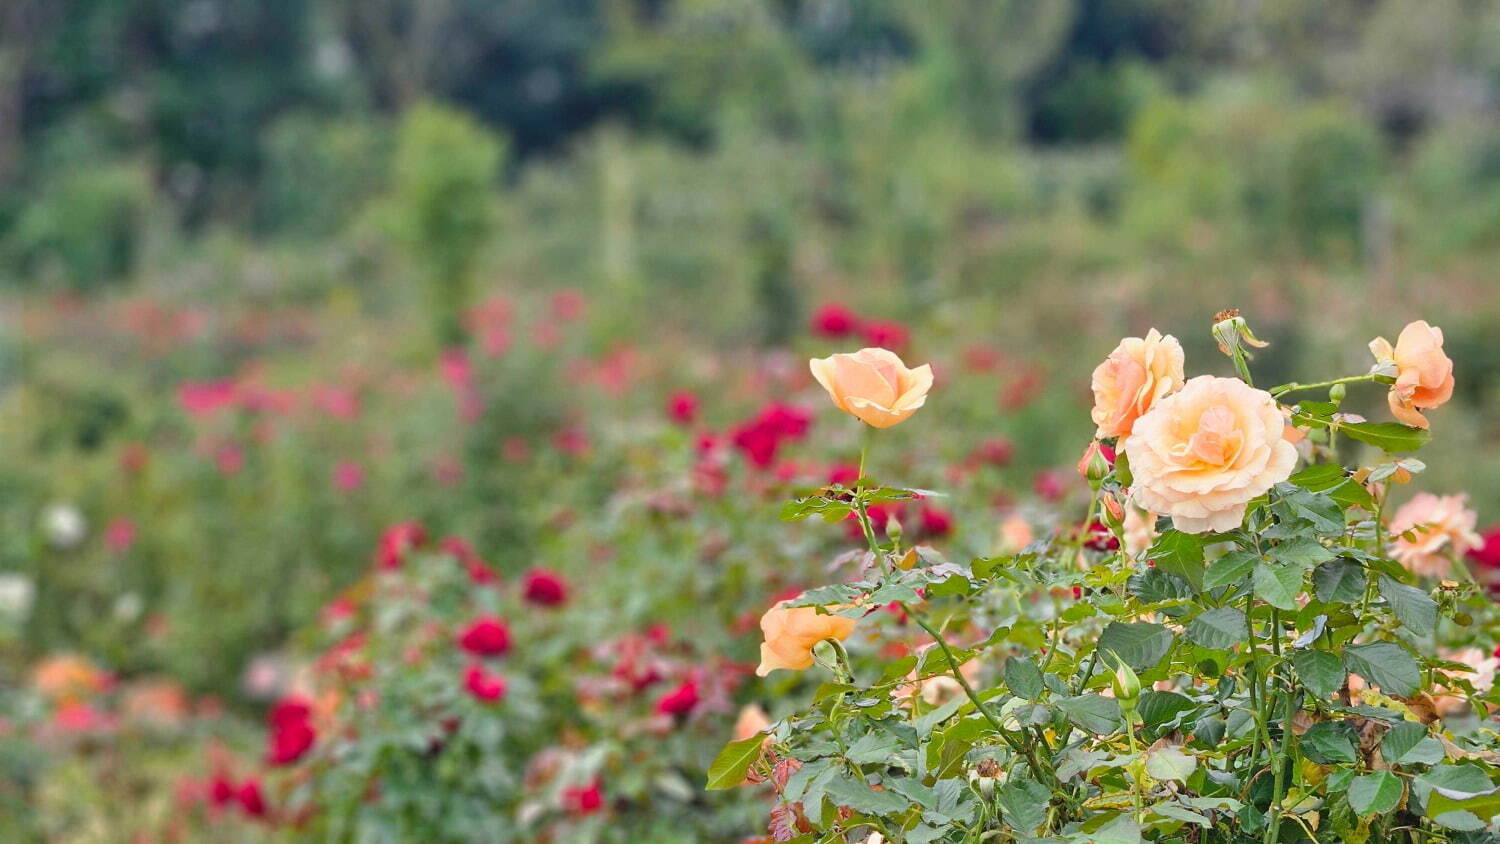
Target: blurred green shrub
{"points": [[318, 173], [1455, 188], [83, 227], [443, 204]]}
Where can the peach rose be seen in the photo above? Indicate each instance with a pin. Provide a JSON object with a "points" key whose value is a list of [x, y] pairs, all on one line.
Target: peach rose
{"points": [[1482, 678], [752, 719], [1139, 529], [1200, 454], [1137, 374], [1442, 527], [873, 385], [791, 633], [1424, 375]]}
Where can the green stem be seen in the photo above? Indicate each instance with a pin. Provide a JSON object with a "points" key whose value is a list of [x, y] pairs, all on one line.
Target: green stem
{"points": [[1294, 387]]}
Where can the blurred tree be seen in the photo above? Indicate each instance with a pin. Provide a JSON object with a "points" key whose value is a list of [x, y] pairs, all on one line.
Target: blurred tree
{"points": [[443, 205]]}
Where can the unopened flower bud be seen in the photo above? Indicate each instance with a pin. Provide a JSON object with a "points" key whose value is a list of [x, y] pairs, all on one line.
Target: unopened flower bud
{"points": [[893, 528], [1126, 686], [1336, 393], [1096, 462]]}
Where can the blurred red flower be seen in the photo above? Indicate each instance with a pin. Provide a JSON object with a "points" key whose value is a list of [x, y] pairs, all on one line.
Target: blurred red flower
{"points": [[886, 334], [483, 685], [682, 407], [583, 800], [292, 733], [544, 588], [996, 451], [487, 636], [1487, 554], [680, 701], [251, 799], [834, 321], [936, 522], [397, 540]]}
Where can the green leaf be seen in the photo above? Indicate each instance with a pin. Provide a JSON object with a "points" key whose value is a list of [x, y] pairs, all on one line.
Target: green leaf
{"points": [[1335, 481], [1141, 644], [1320, 510], [830, 509], [1161, 708], [1305, 552], [729, 767], [1023, 678], [1024, 804], [859, 796], [1385, 664], [1169, 763], [1412, 606], [1180, 554], [1390, 437], [1330, 742], [1228, 569], [1339, 581], [873, 747], [1093, 713], [1408, 743], [1375, 794], [1320, 671], [1277, 584], [1218, 629]]}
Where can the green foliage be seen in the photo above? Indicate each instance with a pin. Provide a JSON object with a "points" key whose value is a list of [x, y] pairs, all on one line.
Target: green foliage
{"points": [[442, 205]]}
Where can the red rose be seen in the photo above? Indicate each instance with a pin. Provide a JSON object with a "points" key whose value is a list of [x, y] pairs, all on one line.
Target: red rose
{"points": [[397, 540], [251, 799], [1487, 555], [936, 522], [1100, 539], [487, 636], [544, 588], [221, 790], [886, 334], [997, 451], [292, 733], [843, 473], [483, 685], [834, 321], [682, 407], [583, 800], [680, 701]]}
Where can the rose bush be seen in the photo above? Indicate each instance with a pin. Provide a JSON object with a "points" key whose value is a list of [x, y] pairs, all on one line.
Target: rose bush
{"points": [[1237, 643]]}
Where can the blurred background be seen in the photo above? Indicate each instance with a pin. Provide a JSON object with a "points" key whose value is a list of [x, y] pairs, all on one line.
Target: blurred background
{"points": [[276, 276]]}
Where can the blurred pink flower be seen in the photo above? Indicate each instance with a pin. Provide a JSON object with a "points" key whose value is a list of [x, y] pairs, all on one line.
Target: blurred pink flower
{"points": [[568, 305], [348, 475], [120, 535], [203, 398]]}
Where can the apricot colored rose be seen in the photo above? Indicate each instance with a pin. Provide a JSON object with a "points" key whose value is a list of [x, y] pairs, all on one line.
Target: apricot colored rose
{"points": [[873, 385], [791, 633], [752, 719], [1437, 528], [1424, 374], [1200, 454], [1136, 375]]}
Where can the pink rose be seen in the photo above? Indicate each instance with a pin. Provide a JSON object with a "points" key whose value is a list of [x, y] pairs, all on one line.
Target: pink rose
{"points": [[1424, 375], [1430, 530], [1200, 454], [1137, 374]]}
